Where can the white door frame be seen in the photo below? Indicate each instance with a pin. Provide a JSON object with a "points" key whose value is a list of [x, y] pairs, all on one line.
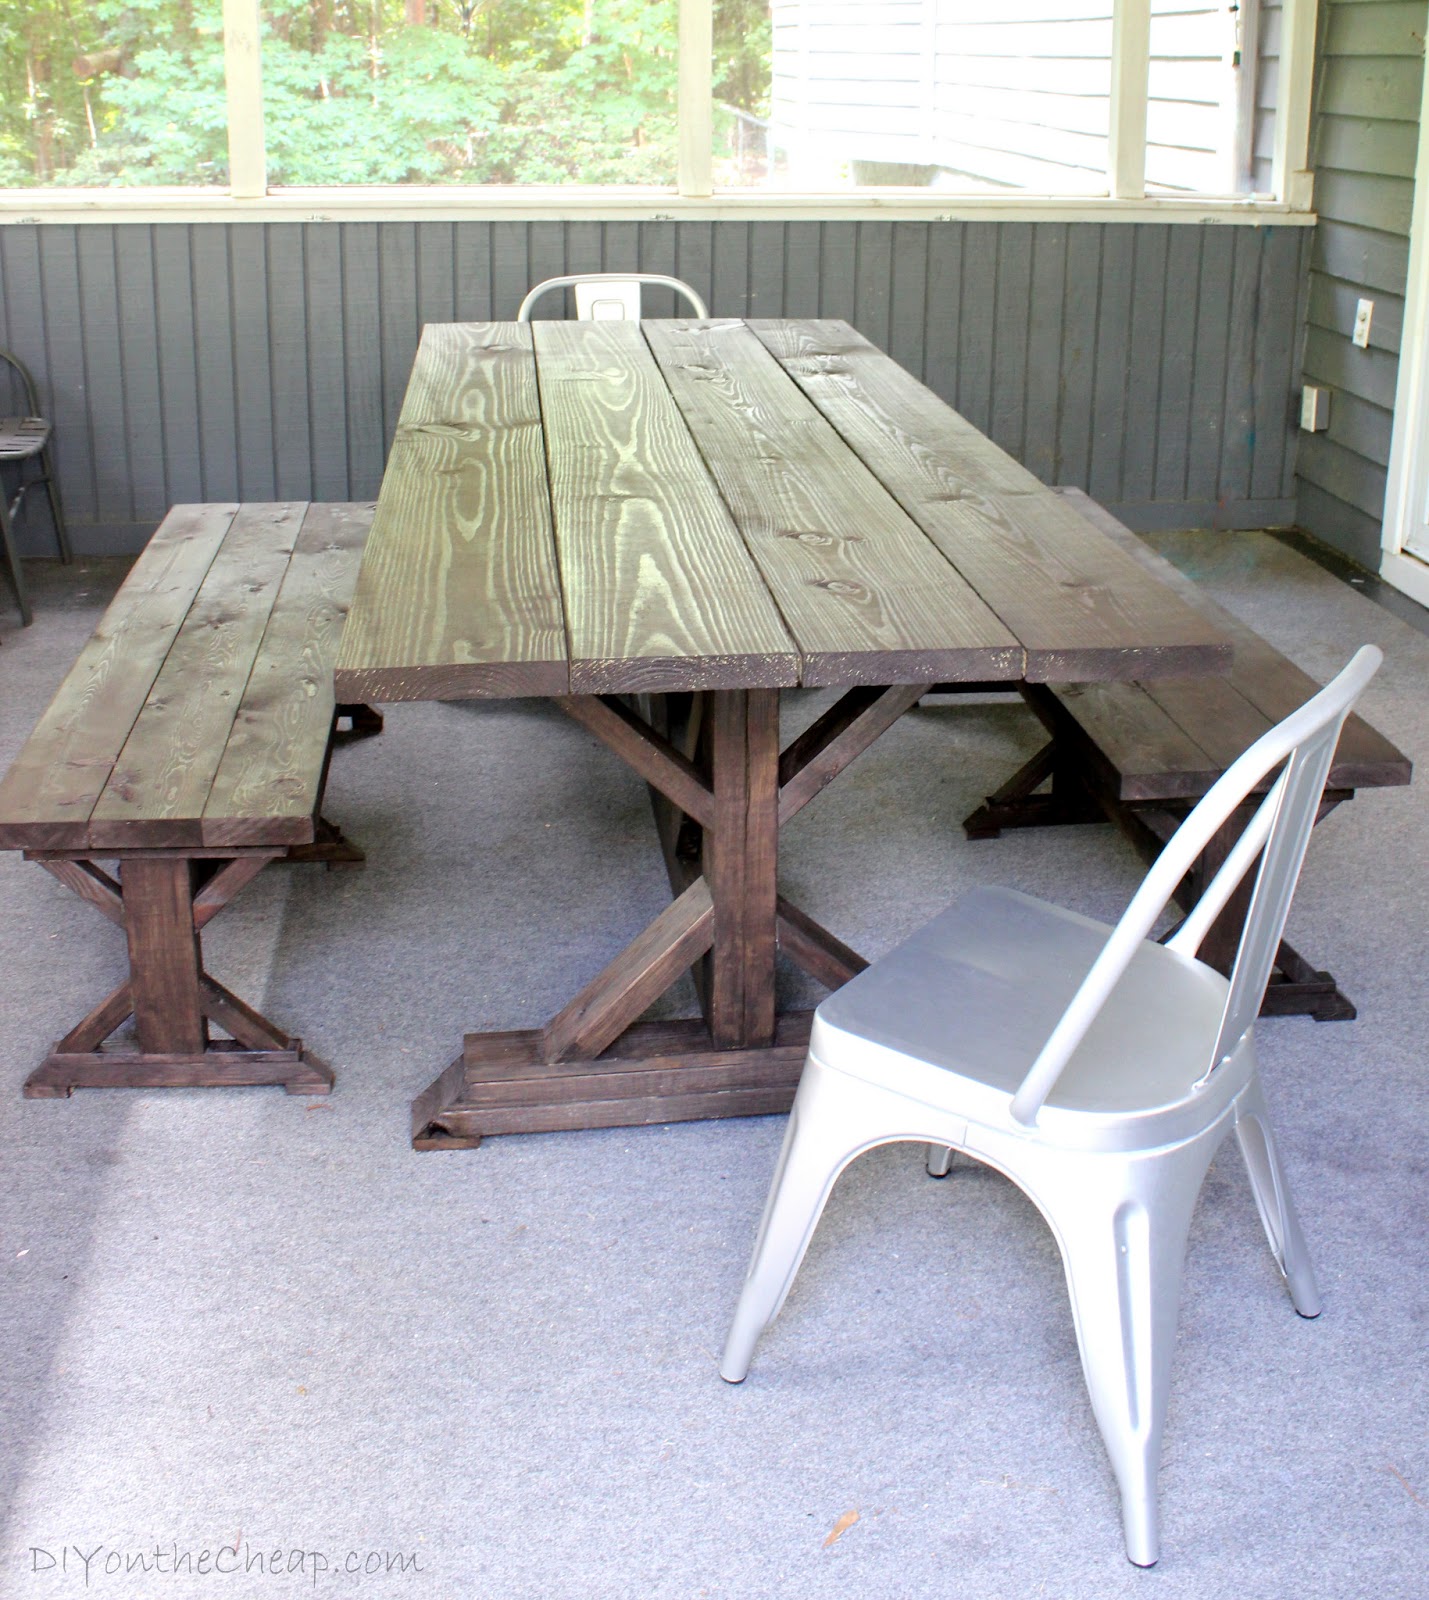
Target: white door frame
{"points": [[1406, 494]]}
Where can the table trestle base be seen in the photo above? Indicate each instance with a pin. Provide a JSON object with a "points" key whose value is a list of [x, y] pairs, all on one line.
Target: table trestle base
{"points": [[655, 1072]]}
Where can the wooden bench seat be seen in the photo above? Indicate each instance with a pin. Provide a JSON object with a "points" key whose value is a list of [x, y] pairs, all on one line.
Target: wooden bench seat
{"points": [[1142, 754], [190, 743]]}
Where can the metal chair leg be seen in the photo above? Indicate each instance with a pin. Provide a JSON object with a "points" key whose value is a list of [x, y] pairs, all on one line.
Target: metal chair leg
{"points": [[12, 559], [52, 488]]}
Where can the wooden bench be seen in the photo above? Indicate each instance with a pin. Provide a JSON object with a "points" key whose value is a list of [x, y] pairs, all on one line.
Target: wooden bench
{"points": [[190, 744], [1142, 754]]}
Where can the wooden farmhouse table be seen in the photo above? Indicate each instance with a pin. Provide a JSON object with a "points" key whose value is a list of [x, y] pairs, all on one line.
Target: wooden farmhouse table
{"points": [[660, 525]]}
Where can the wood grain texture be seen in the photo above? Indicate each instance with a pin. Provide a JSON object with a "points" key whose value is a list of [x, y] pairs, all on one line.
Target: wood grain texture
{"points": [[637, 977], [160, 782], [1079, 605], [48, 794], [1268, 683], [865, 595], [164, 964], [459, 594], [267, 785], [660, 592]]}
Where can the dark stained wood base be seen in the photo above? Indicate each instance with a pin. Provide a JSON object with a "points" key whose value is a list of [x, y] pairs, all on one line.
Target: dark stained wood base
{"points": [[331, 847], [654, 1072], [223, 1065], [1296, 989]]}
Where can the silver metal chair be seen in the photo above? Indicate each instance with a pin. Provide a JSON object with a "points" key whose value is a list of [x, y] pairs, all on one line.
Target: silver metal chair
{"points": [[1095, 1068], [610, 296], [22, 440]]}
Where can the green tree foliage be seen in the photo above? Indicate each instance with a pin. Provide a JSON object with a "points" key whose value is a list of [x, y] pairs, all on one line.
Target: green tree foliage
{"points": [[360, 91]]}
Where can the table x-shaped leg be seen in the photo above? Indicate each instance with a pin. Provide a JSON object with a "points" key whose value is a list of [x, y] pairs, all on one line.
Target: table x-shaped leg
{"points": [[721, 788], [163, 900]]}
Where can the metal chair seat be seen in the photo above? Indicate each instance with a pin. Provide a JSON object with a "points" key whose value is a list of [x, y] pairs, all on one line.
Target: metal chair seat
{"points": [[1096, 1069], [22, 437], [1014, 965]]}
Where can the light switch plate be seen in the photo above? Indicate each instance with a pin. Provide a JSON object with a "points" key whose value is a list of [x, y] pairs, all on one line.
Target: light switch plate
{"points": [[1364, 312]]}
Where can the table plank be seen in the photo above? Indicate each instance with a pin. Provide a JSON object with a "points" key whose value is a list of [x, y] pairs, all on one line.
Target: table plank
{"points": [[459, 595], [156, 792], [661, 593], [267, 783], [48, 794], [867, 598], [1081, 606]]}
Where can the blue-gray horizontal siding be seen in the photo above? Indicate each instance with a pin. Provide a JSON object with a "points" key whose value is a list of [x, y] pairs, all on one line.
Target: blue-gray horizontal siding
{"points": [[1364, 140], [1152, 365]]}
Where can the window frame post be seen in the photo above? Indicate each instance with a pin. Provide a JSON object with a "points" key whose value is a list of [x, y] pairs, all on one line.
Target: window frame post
{"points": [[243, 77], [1292, 182], [694, 99], [1130, 71]]}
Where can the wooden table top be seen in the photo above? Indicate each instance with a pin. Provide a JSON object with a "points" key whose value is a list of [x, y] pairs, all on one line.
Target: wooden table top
{"points": [[619, 507]]}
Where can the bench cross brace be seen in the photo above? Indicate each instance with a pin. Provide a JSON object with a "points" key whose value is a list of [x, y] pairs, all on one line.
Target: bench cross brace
{"points": [[162, 900]]}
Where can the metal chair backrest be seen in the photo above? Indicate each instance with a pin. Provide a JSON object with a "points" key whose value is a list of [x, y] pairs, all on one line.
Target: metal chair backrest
{"points": [[610, 296], [32, 399], [1278, 833]]}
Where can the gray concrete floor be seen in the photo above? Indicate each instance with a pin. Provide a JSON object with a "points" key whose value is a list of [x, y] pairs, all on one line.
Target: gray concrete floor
{"points": [[236, 1319]]}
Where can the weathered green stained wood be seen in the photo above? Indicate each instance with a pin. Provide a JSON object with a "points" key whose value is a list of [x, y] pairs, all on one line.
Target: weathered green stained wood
{"points": [[660, 592], [160, 782], [267, 785], [866, 597], [48, 794], [459, 595], [1080, 606]]}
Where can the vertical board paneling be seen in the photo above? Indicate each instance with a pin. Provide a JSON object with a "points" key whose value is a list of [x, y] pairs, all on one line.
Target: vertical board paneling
{"points": [[1144, 363], [1179, 344], [178, 364], [1152, 364], [252, 363], [1208, 387], [288, 361], [143, 412], [767, 244], [213, 351], [362, 358], [397, 315], [908, 311], [1113, 361], [730, 291], [873, 281], [977, 323], [1044, 344], [326, 386], [104, 375], [1079, 343], [802, 279], [1013, 314]]}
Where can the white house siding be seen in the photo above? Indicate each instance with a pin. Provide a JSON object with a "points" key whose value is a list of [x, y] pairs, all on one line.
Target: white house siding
{"points": [[1001, 94]]}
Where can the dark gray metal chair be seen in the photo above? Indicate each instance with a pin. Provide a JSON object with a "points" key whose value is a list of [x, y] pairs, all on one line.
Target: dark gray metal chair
{"points": [[22, 440]]}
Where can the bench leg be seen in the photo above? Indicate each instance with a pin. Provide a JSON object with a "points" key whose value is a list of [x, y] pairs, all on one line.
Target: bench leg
{"points": [[162, 900], [1017, 805]]}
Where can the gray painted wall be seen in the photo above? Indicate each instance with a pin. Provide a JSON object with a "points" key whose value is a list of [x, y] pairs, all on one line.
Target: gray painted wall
{"points": [[1364, 139], [1152, 365]]}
